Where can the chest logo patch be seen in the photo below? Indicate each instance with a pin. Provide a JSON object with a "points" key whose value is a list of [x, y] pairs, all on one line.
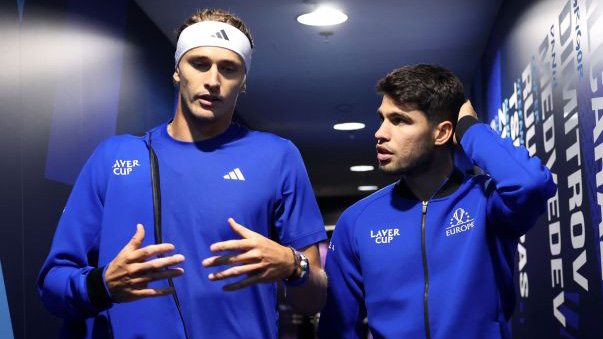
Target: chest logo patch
{"points": [[236, 174], [460, 222], [124, 167], [385, 236]]}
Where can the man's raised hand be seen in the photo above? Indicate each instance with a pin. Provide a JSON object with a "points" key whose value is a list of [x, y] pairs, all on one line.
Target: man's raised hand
{"points": [[262, 259], [129, 273]]}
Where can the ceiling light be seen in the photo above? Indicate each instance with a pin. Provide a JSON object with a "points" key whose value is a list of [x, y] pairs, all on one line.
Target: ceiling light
{"points": [[348, 126], [362, 168], [367, 188], [323, 16]]}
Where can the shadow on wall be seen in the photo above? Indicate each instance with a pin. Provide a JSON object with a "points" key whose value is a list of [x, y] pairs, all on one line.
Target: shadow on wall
{"points": [[74, 73]]}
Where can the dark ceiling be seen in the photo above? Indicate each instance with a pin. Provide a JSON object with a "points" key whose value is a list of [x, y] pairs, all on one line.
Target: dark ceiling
{"points": [[301, 84]]}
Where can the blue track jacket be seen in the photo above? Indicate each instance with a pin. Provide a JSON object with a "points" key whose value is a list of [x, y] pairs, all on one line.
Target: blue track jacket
{"points": [[257, 178], [442, 268]]}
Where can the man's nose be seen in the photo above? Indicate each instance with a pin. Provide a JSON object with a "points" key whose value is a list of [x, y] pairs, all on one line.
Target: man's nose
{"points": [[381, 134], [213, 78]]}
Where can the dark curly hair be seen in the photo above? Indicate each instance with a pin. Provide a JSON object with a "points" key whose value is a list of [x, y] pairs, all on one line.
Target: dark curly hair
{"points": [[429, 88]]}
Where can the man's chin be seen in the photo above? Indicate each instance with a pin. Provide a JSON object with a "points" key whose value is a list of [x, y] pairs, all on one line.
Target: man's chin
{"points": [[390, 169], [204, 116], [209, 115]]}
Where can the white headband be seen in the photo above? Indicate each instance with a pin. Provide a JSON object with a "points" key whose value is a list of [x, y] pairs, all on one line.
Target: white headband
{"points": [[214, 34]]}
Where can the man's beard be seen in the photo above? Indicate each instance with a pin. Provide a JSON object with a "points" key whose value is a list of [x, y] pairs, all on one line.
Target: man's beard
{"points": [[418, 165]]}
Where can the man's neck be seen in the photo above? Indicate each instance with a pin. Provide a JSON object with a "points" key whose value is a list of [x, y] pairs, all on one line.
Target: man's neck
{"points": [[425, 183], [187, 128]]}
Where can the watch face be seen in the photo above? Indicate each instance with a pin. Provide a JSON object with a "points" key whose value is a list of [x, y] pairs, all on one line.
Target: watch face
{"points": [[304, 266], [301, 268]]}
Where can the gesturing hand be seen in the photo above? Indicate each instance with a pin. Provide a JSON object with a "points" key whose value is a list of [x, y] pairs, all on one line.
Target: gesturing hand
{"points": [[261, 258], [128, 274]]}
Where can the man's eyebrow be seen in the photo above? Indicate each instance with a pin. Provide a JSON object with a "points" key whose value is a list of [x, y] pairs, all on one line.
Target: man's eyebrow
{"points": [[394, 114], [197, 57], [228, 62]]}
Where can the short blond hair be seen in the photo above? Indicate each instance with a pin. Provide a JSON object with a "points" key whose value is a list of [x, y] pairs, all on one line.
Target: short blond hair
{"points": [[217, 15]]}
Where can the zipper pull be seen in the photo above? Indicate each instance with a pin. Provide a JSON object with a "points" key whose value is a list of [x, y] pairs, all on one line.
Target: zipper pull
{"points": [[425, 206]]}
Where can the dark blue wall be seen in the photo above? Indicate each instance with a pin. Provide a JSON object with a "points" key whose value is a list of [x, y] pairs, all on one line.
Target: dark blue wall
{"points": [[540, 83], [73, 73]]}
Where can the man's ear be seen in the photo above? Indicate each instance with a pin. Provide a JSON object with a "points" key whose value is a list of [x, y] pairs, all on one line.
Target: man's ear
{"points": [[176, 77], [443, 132]]}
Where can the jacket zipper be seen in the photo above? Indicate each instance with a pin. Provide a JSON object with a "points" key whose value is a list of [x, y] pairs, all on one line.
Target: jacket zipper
{"points": [[157, 221], [425, 272], [175, 295]]}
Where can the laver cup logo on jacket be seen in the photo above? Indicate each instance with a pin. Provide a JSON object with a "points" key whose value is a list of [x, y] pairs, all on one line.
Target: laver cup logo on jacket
{"points": [[460, 221], [385, 236], [124, 167]]}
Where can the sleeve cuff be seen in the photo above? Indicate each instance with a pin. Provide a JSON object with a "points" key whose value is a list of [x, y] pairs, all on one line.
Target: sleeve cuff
{"points": [[463, 125], [97, 291], [105, 283], [307, 240]]}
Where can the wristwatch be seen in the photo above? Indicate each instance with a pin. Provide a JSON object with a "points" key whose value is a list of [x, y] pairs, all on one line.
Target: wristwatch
{"points": [[302, 269]]}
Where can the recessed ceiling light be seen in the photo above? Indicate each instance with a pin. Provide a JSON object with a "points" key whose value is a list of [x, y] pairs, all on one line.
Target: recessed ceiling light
{"points": [[362, 168], [367, 188], [348, 126], [323, 16]]}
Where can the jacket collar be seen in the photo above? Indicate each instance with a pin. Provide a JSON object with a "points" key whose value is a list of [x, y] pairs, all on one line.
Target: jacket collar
{"points": [[452, 184]]}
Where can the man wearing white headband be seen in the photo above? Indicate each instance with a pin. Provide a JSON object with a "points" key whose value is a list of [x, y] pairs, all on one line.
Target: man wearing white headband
{"points": [[236, 203]]}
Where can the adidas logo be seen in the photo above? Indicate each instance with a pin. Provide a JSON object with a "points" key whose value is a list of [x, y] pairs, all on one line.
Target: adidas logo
{"points": [[236, 174], [221, 35]]}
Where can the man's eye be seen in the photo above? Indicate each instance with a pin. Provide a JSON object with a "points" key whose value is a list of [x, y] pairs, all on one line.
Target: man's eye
{"points": [[230, 69], [400, 120], [200, 65]]}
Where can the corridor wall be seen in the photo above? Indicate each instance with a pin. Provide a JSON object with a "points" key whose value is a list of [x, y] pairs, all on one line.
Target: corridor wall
{"points": [[73, 73], [541, 84]]}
